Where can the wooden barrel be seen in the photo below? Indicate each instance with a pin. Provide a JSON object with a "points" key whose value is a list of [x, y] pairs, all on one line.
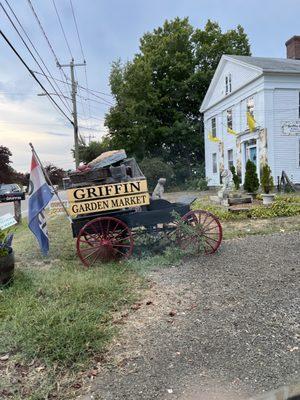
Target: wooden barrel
{"points": [[7, 266]]}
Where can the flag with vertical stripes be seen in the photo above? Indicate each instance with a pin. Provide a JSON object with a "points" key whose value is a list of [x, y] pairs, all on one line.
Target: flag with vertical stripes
{"points": [[40, 194]]}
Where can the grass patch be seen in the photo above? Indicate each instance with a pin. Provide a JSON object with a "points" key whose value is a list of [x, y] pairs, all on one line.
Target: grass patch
{"points": [[59, 316], [56, 313], [62, 316]]}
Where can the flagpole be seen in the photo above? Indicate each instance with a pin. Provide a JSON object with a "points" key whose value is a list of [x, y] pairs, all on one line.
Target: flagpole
{"points": [[49, 180]]}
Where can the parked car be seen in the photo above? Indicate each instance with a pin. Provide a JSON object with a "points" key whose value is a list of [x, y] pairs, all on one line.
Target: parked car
{"points": [[11, 192]]}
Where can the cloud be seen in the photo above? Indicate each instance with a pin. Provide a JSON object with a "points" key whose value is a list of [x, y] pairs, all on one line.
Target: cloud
{"points": [[57, 134]]}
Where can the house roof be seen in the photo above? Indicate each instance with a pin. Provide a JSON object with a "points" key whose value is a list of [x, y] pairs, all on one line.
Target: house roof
{"points": [[267, 64], [260, 64]]}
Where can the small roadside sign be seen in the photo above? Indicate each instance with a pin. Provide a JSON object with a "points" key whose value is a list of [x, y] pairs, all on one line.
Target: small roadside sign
{"points": [[6, 221], [57, 208]]}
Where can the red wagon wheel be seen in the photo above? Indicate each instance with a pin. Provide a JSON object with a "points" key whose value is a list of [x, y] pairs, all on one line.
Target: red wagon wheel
{"points": [[104, 239], [207, 232]]}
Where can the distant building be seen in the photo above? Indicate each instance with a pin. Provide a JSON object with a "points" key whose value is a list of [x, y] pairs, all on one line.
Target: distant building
{"points": [[252, 111]]}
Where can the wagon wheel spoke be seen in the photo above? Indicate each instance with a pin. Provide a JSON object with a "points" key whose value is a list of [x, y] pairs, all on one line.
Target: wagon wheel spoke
{"points": [[119, 234], [212, 247], [210, 238], [95, 258], [116, 227], [210, 229], [93, 250], [107, 229], [111, 240], [205, 226]]}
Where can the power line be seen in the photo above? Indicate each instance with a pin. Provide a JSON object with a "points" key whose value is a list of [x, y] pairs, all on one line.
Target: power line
{"points": [[36, 51], [84, 60], [76, 26], [62, 28], [45, 36], [82, 87], [33, 75], [43, 31], [107, 103]]}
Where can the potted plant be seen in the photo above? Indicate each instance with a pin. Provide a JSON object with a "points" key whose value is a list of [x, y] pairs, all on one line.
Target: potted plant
{"points": [[7, 261], [251, 183], [267, 185]]}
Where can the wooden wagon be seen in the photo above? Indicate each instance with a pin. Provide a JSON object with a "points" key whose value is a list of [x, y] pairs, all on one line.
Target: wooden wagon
{"points": [[108, 212]]}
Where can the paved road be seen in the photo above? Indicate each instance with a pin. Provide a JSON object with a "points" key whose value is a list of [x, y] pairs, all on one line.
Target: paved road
{"points": [[6, 208], [219, 327]]}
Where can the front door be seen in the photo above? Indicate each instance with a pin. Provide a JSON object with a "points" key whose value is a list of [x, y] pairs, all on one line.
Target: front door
{"points": [[253, 155]]}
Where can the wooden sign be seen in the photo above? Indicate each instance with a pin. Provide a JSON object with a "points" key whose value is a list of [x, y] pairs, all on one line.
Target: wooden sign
{"points": [[114, 196]]}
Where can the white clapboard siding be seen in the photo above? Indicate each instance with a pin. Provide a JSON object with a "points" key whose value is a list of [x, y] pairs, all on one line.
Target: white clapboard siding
{"points": [[286, 148], [240, 75]]}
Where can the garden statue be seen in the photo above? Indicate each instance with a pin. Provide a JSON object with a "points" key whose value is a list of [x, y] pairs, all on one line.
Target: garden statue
{"points": [[227, 184], [159, 189]]}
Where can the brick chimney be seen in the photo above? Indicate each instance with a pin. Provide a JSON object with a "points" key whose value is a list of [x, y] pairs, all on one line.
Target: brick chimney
{"points": [[293, 48]]}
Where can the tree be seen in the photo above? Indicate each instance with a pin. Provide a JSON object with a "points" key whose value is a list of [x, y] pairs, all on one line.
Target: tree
{"points": [[6, 171], [267, 182], [55, 174], [155, 168], [88, 152], [158, 94], [251, 183]]}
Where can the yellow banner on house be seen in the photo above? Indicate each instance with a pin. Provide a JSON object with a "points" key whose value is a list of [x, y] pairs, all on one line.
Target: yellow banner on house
{"points": [[213, 138], [251, 122], [231, 131], [114, 196]]}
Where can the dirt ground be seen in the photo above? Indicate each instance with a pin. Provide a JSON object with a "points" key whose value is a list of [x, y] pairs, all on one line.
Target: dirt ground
{"points": [[217, 327]]}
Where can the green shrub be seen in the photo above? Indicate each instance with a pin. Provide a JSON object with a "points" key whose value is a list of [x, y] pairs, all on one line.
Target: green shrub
{"points": [[279, 208], [235, 178], [155, 168], [267, 182], [251, 183]]}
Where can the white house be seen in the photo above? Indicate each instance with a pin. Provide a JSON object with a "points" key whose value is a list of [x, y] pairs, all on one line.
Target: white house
{"points": [[267, 89]]}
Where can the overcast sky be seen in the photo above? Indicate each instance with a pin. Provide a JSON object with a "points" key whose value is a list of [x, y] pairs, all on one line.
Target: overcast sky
{"points": [[109, 29]]}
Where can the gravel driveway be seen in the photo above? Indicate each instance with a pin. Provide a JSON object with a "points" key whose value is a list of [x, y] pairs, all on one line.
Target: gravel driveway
{"points": [[219, 327]]}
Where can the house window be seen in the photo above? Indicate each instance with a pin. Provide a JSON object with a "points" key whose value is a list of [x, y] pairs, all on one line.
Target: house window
{"points": [[214, 163], [229, 118], [228, 84], [230, 158], [250, 106], [213, 127]]}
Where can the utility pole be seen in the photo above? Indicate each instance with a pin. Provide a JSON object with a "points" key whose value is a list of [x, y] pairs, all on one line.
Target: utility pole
{"points": [[74, 113]]}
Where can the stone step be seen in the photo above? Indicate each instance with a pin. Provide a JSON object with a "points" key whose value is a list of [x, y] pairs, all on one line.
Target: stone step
{"points": [[238, 209], [239, 200]]}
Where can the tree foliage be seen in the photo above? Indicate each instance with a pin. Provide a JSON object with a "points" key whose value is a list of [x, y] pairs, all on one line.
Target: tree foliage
{"points": [[251, 183], [7, 173], [267, 182], [235, 178], [87, 152], [155, 168], [158, 94], [55, 174]]}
